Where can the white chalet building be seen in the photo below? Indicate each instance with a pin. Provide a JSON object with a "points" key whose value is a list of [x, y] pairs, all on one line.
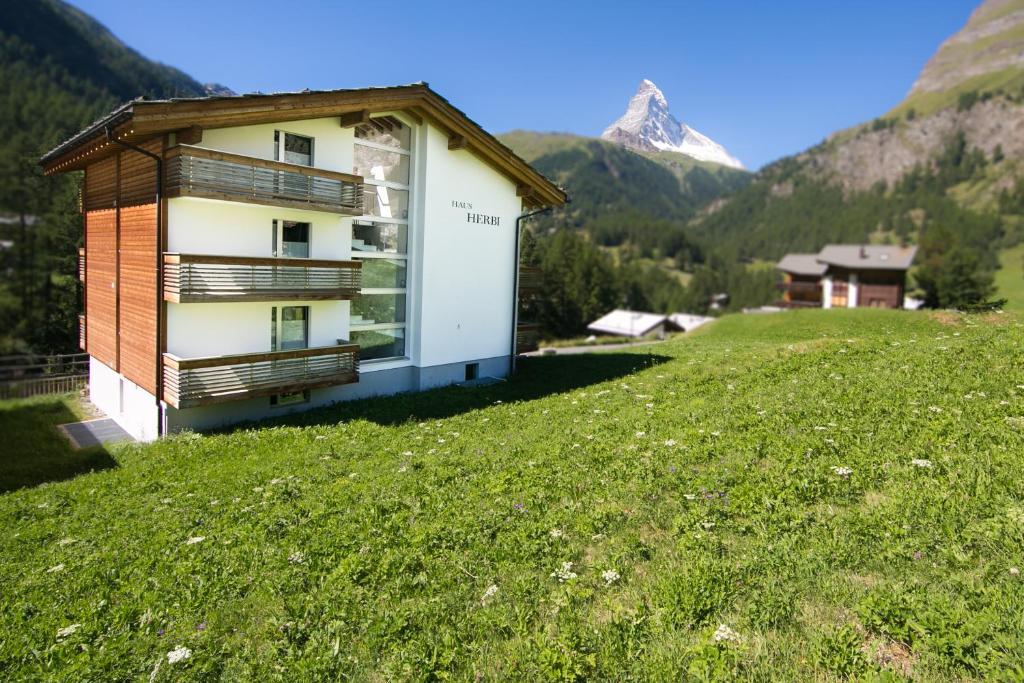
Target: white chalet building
{"points": [[249, 256]]}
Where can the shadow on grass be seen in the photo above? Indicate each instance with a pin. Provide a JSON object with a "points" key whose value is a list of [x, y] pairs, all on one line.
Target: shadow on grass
{"points": [[536, 377], [34, 452]]}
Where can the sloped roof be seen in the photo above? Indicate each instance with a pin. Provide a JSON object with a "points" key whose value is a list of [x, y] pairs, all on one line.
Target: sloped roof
{"points": [[688, 321], [141, 119], [867, 256], [624, 323], [801, 264]]}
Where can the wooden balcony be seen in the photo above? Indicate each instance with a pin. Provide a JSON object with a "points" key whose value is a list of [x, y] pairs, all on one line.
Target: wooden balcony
{"points": [[81, 332], [190, 382], [192, 278], [81, 265], [527, 337], [801, 291], [198, 172]]}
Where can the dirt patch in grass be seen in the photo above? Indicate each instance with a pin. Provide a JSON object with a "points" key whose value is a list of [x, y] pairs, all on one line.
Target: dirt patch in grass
{"points": [[891, 655]]}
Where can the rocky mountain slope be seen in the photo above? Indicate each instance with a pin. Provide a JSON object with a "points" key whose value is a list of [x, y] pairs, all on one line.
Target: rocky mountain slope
{"points": [[951, 153], [649, 126]]}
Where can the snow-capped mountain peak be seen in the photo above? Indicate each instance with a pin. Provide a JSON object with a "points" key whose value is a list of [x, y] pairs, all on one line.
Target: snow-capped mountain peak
{"points": [[648, 125]]}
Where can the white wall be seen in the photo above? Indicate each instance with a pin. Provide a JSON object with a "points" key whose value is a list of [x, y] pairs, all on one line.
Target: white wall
{"points": [[136, 411], [464, 293], [216, 329], [332, 145], [208, 226]]}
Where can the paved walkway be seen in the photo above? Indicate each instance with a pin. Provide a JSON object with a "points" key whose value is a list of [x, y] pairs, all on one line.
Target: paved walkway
{"points": [[93, 433], [589, 348]]}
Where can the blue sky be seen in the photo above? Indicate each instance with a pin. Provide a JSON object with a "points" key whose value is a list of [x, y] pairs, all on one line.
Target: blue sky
{"points": [[764, 78]]}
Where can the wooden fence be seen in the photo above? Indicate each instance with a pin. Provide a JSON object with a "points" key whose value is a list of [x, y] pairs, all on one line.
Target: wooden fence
{"points": [[27, 376]]}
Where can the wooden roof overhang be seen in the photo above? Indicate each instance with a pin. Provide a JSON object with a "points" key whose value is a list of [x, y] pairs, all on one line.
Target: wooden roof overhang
{"points": [[144, 119]]}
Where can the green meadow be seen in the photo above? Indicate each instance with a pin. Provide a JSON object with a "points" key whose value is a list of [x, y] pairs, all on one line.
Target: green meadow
{"points": [[813, 495]]}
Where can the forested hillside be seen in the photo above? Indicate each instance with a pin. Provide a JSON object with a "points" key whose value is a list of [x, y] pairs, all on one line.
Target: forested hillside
{"points": [[59, 70]]}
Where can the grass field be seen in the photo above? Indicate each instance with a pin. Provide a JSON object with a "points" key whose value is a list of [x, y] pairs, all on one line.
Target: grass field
{"points": [[808, 495], [1010, 278]]}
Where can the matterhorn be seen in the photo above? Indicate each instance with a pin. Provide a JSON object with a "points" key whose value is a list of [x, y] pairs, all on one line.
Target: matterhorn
{"points": [[648, 126]]}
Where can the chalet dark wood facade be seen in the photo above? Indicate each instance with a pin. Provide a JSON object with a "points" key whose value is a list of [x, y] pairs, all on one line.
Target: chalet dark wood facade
{"points": [[846, 276]]}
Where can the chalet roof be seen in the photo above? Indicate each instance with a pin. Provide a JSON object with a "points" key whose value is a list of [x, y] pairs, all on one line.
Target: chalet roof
{"points": [[142, 119], [867, 256], [802, 264], [627, 323]]}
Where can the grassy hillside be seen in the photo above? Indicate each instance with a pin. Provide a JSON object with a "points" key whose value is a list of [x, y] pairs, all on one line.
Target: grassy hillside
{"points": [[1010, 278], [832, 493]]}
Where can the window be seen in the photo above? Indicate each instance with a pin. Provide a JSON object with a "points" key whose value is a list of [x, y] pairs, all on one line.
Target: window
{"points": [[290, 399], [293, 149], [472, 371], [380, 239], [840, 293], [289, 328], [291, 239]]}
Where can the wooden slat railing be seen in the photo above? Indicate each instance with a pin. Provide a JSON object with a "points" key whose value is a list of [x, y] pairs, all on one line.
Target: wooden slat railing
{"points": [[192, 382], [527, 337], [192, 278], [81, 332], [531, 280], [199, 172], [81, 265]]}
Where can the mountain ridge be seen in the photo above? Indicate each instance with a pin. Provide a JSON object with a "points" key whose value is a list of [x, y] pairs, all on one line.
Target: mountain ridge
{"points": [[649, 126]]}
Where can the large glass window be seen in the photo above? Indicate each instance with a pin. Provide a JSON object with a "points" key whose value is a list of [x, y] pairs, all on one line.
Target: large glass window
{"points": [[382, 156]]}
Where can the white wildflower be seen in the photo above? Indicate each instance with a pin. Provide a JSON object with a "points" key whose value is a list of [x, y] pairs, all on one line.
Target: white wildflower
{"points": [[275, 481], [649, 405], [935, 409], [491, 591], [641, 435], [55, 568], [610, 576], [192, 540], [1014, 571], [564, 573], [920, 462], [670, 442], [403, 469], [407, 453], [67, 631], [556, 533], [724, 634], [298, 557], [178, 654], [716, 433], [66, 541], [842, 471]]}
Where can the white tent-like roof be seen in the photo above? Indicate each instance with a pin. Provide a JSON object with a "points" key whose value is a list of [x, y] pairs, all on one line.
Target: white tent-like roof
{"points": [[623, 323], [687, 321]]}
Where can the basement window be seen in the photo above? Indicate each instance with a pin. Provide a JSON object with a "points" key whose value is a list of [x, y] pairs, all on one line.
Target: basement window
{"points": [[472, 371]]}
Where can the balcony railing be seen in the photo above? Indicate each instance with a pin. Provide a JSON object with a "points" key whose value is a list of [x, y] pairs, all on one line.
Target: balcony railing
{"points": [[527, 337], [531, 280], [199, 172], [190, 278], [81, 265], [81, 332], [192, 382]]}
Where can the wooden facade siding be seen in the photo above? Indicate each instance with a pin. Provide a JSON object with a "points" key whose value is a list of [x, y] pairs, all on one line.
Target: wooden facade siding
{"points": [[99, 187], [119, 204], [137, 284], [100, 285], [138, 175]]}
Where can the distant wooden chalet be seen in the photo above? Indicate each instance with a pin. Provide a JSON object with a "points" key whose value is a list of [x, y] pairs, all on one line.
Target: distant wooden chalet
{"points": [[847, 276]]}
